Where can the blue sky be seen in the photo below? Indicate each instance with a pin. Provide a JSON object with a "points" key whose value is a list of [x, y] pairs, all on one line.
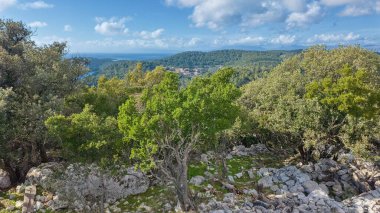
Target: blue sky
{"points": [[153, 26]]}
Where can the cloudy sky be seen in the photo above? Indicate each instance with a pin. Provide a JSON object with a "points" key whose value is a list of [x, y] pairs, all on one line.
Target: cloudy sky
{"points": [[150, 26]]}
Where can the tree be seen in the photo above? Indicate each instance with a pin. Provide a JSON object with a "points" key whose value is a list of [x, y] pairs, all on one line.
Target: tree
{"points": [[310, 101], [39, 79], [172, 122]]}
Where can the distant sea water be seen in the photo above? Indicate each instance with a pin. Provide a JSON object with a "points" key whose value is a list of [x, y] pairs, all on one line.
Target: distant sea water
{"points": [[121, 56]]}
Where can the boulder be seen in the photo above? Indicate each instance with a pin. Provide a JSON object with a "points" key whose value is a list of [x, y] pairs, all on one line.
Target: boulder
{"points": [[79, 185], [197, 180], [266, 181], [310, 186], [5, 180]]}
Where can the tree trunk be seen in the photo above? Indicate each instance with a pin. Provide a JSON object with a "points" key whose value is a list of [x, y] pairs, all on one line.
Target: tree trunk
{"points": [[182, 189], [42, 152]]}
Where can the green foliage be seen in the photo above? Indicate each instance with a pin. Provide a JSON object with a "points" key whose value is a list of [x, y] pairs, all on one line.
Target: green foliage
{"points": [[173, 115], [86, 136], [349, 92], [33, 82], [317, 98], [246, 62], [105, 97]]}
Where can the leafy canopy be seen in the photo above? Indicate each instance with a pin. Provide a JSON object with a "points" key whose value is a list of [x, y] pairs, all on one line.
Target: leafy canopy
{"points": [[168, 115]]}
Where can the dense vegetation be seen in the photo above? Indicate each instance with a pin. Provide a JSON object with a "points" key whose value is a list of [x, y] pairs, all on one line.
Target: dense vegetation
{"points": [[319, 100], [255, 61], [315, 103]]}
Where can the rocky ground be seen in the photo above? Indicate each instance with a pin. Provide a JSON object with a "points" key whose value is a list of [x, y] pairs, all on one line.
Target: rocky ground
{"points": [[259, 181]]}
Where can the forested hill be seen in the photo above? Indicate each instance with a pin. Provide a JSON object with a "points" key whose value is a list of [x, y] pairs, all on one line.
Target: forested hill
{"points": [[195, 59], [226, 57]]}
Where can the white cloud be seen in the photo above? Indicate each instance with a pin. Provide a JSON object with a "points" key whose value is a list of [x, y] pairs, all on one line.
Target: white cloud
{"points": [[355, 11], [37, 24], [4, 4], [51, 39], [151, 35], [247, 40], [354, 7], [339, 2], [215, 14], [112, 26], [284, 39], [36, 5], [334, 38], [67, 28], [302, 19]]}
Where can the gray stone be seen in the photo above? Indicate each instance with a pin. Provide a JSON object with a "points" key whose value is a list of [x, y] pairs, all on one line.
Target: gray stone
{"points": [[239, 175], [197, 180], [250, 174], [39, 205], [5, 180], [204, 158], [337, 188], [342, 172], [310, 186], [290, 183], [252, 192], [324, 188], [168, 207], [266, 181]]}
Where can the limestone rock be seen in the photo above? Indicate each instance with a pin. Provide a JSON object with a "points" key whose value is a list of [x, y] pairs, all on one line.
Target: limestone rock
{"points": [[197, 180], [5, 181]]}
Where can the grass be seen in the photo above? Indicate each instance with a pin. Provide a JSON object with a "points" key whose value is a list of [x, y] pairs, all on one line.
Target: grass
{"points": [[155, 197]]}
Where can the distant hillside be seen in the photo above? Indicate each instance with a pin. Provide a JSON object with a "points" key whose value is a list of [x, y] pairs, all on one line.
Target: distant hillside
{"points": [[226, 58], [207, 61]]}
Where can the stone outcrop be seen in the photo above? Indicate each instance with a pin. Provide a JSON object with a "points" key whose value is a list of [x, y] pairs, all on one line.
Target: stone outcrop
{"points": [[5, 181], [81, 187], [326, 186], [249, 151]]}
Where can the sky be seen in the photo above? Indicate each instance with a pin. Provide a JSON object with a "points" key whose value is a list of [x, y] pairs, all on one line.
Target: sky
{"points": [[168, 26]]}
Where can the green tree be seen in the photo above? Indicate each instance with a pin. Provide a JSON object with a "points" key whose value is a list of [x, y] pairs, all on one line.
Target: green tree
{"points": [[310, 100], [174, 121], [39, 78]]}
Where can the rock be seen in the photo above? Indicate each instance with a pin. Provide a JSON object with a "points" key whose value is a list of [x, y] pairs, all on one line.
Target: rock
{"points": [[342, 172], [11, 196], [204, 158], [290, 183], [265, 182], [19, 204], [79, 181], [229, 198], [20, 189], [251, 175], [324, 188], [231, 179], [337, 188], [263, 172], [167, 207], [197, 180], [39, 205], [10, 208], [239, 175], [261, 203], [252, 192], [274, 188], [310, 186], [307, 168], [5, 180]]}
